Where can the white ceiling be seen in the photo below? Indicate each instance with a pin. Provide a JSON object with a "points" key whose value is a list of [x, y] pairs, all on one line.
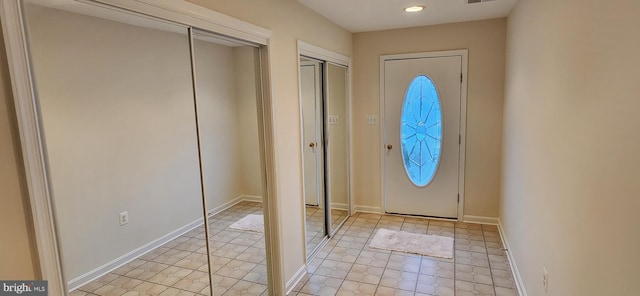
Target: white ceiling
{"points": [[374, 15]]}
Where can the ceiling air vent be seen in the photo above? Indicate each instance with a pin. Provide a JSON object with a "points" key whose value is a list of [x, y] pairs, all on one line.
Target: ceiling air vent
{"points": [[477, 1]]}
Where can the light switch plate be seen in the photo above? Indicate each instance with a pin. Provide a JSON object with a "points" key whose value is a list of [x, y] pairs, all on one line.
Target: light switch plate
{"points": [[371, 120], [334, 119]]}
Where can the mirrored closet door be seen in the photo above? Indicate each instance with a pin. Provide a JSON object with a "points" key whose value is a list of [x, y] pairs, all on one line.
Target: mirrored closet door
{"points": [[325, 148], [311, 94], [227, 93], [152, 146], [337, 130]]}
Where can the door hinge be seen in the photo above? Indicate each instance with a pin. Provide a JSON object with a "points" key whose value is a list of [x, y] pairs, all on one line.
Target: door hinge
{"points": [[458, 197], [459, 139], [460, 78]]}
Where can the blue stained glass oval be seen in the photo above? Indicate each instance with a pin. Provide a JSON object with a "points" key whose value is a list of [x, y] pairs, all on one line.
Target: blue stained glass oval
{"points": [[421, 131]]}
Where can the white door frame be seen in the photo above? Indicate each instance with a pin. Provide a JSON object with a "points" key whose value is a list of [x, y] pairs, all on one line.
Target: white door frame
{"points": [[464, 54], [34, 159]]}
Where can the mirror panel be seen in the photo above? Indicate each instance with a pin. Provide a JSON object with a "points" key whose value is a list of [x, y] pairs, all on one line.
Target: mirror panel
{"points": [[116, 103], [227, 97], [311, 93], [337, 119]]}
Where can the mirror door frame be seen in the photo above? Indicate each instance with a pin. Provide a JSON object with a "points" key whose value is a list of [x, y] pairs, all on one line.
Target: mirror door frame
{"points": [[329, 57], [31, 137]]}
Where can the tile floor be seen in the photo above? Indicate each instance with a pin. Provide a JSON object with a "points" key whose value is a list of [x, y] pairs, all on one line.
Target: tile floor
{"points": [[347, 266], [315, 224]]}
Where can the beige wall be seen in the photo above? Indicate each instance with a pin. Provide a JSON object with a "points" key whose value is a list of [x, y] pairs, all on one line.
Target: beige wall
{"points": [[18, 255], [289, 20], [228, 121], [486, 43], [570, 170], [247, 120]]}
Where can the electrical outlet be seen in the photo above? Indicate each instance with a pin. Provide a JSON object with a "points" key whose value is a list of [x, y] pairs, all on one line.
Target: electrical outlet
{"points": [[124, 218], [370, 120], [545, 280]]}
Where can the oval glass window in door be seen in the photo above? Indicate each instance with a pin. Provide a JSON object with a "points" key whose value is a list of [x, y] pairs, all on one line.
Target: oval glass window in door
{"points": [[421, 131]]}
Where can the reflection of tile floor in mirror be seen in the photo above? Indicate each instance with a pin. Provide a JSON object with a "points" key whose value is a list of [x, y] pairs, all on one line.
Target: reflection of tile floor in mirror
{"points": [[337, 216], [315, 224], [179, 267], [347, 266]]}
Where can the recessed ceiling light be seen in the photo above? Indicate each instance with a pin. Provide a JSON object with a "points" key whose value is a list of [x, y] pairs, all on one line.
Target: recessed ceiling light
{"points": [[414, 8]]}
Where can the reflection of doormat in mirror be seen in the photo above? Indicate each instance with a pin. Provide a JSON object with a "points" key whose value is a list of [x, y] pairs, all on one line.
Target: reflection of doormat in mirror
{"points": [[250, 222], [421, 244]]}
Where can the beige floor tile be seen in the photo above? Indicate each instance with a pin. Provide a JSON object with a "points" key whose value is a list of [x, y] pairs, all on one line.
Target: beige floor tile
{"points": [[246, 288], [404, 262], [503, 278], [471, 258], [365, 274], [176, 292], [223, 281], [499, 262], [257, 275], [471, 226], [386, 291], [373, 258], [351, 288], [334, 268], [343, 254], [467, 288], [148, 288], [500, 291], [125, 282], [435, 286], [474, 274], [321, 285], [194, 282], [351, 242], [399, 279], [194, 261], [170, 275], [236, 269], [437, 268]]}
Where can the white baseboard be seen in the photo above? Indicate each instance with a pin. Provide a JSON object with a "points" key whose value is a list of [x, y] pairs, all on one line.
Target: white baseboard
{"points": [[339, 206], [233, 202], [368, 209], [126, 258], [295, 279], [514, 268], [480, 220], [253, 198]]}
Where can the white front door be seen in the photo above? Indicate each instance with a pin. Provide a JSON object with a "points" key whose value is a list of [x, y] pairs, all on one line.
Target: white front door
{"points": [[310, 92], [422, 100]]}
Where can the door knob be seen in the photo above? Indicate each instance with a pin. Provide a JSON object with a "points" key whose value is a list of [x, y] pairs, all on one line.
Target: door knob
{"points": [[312, 144], [389, 147]]}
